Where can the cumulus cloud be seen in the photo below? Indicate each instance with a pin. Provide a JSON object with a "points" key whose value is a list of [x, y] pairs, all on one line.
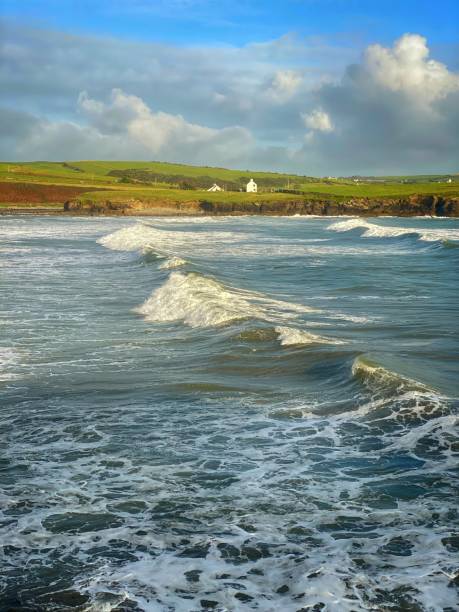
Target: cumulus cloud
{"points": [[283, 85], [44, 71], [126, 127], [395, 111], [407, 68], [318, 120]]}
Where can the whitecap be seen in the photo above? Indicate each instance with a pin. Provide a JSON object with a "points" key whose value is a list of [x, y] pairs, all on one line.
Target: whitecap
{"points": [[172, 262], [289, 336], [8, 359], [142, 236], [374, 375], [201, 301], [373, 230]]}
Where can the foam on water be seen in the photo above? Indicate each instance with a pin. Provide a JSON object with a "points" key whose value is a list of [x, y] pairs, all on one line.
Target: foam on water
{"points": [[372, 374], [8, 359], [266, 513], [172, 262], [291, 336], [142, 236], [394, 396], [200, 301], [372, 230], [160, 468]]}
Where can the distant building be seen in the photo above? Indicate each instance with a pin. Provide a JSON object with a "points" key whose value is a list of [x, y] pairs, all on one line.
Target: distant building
{"points": [[215, 187], [449, 180], [251, 187]]}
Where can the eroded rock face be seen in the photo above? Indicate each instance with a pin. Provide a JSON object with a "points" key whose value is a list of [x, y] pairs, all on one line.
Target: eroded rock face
{"points": [[416, 205], [106, 207]]}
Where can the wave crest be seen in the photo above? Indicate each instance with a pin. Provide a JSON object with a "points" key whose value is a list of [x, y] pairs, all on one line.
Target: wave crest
{"points": [[377, 377], [397, 397], [200, 301], [290, 336], [142, 236], [383, 231], [172, 262]]}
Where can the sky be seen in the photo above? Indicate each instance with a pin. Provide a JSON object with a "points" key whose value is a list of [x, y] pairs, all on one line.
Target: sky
{"points": [[316, 87]]}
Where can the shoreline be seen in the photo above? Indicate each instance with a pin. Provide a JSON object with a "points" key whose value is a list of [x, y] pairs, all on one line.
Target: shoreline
{"points": [[185, 215], [433, 206]]}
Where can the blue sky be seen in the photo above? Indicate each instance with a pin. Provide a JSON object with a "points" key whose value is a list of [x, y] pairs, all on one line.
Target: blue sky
{"points": [[315, 86], [238, 22]]}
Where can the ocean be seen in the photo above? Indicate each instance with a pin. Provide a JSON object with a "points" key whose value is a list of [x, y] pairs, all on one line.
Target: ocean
{"points": [[229, 414]]}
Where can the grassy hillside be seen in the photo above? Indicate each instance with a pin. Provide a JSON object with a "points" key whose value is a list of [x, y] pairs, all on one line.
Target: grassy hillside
{"points": [[21, 182]]}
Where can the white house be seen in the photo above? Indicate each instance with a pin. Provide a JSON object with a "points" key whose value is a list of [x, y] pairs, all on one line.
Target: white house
{"points": [[215, 187], [251, 187]]}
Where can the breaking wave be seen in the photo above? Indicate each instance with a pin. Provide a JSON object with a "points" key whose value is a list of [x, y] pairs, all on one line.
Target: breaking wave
{"points": [[200, 301], [172, 262], [376, 376], [393, 395], [380, 231], [141, 237], [290, 336]]}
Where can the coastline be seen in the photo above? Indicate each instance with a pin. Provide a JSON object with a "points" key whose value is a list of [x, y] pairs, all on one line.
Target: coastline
{"points": [[411, 206]]}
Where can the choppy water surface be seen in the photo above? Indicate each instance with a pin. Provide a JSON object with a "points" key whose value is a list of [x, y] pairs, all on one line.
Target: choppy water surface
{"points": [[228, 414]]}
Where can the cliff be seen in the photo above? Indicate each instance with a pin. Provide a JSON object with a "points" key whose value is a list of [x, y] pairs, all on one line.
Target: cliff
{"points": [[414, 205]]}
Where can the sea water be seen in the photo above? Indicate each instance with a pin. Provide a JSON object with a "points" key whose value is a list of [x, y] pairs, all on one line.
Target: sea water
{"points": [[228, 414]]}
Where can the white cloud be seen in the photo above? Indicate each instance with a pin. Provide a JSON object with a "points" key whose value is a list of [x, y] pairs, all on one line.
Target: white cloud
{"points": [[396, 111], [127, 128], [407, 68], [318, 120], [283, 85]]}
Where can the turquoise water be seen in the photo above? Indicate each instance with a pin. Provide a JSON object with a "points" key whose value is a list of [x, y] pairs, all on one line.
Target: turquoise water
{"points": [[228, 414]]}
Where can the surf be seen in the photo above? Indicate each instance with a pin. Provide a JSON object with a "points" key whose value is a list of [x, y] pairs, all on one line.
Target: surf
{"points": [[372, 230], [393, 395], [201, 301], [143, 236], [290, 336]]}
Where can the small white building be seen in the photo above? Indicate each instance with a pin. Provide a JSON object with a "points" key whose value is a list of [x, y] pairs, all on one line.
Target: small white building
{"points": [[449, 180], [215, 187], [251, 187]]}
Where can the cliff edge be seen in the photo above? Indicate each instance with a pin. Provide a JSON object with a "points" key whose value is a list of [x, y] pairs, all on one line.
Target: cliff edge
{"points": [[414, 205]]}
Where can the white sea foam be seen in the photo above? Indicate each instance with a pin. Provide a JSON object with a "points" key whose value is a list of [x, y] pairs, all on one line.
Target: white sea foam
{"points": [[395, 396], [142, 236], [372, 374], [8, 359], [185, 243], [289, 336], [172, 262], [200, 301], [373, 230]]}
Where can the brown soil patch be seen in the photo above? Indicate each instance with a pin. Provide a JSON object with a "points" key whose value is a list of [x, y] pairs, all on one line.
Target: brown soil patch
{"points": [[32, 193]]}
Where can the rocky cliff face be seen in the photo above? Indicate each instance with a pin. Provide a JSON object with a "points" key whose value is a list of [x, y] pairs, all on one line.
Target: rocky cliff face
{"points": [[415, 205]]}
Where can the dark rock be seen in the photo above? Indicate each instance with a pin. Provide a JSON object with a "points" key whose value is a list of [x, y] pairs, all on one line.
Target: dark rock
{"points": [[408, 206]]}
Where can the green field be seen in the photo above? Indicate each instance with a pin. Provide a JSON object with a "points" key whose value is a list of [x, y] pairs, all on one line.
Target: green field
{"points": [[153, 181]]}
